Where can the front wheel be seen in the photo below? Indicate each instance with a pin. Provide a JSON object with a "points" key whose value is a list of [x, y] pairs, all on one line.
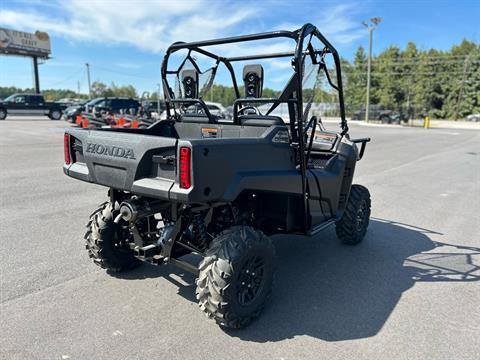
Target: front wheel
{"points": [[351, 228], [236, 276], [3, 114], [55, 115]]}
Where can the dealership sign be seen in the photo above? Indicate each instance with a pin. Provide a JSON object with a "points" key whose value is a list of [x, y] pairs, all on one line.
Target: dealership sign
{"points": [[14, 42]]}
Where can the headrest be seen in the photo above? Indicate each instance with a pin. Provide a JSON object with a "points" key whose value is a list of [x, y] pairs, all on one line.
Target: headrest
{"points": [[189, 78], [253, 80]]}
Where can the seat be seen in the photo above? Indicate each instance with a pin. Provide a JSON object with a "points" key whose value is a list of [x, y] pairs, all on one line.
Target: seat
{"points": [[260, 120]]}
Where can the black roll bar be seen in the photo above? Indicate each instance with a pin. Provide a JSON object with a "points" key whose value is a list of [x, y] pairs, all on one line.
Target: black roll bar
{"points": [[292, 92]]}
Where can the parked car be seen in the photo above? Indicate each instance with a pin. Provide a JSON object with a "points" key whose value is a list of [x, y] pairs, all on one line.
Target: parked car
{"points": [[151, 108], [110, 105], [30, 105], [71, 112], [377, 113], [67, 102], [217, 109], [473, 117], [114, 105]]}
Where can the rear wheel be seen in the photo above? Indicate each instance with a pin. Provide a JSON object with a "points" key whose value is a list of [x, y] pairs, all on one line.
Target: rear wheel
{"points": [[3, 114], [236, 276], [351, 228], [385, 119], [105, 241]]}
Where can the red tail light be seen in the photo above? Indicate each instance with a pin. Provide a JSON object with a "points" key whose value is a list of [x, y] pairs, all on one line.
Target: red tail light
{"points": [[185, 164], [66, 148]]}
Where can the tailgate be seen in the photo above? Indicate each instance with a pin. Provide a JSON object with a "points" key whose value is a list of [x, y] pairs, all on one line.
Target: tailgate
{"points": [[126, 161]]}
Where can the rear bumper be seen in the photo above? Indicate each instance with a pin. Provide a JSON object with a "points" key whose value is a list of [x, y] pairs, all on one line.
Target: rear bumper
{"points": [[77, 171], [152, 187]]}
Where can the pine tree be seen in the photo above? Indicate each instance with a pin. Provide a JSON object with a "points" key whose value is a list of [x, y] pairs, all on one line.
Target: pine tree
{"points": [[388, 74], [355, 81]]}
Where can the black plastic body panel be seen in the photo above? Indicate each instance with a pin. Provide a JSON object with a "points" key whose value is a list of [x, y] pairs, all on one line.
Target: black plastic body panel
{"points": [[234, 160]]}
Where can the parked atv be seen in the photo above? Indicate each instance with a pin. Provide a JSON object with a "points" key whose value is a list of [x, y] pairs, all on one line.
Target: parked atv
{"points": [[192, 185]]}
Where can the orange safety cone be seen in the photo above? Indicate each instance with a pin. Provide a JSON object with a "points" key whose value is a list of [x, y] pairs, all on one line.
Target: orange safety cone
{"points": [[78, 119], [134, 124], [121, 122], [85, 123]]}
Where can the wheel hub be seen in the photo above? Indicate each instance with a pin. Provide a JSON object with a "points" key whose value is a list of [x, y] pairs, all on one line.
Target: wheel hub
{"points": [[250, 280], [361, 215]]}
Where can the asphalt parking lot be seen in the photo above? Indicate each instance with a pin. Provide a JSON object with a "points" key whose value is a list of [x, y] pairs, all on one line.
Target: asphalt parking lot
{"points": [[411, 290]]}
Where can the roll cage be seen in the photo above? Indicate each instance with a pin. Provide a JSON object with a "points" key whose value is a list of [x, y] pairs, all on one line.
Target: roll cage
{"points": [[292, 94]]}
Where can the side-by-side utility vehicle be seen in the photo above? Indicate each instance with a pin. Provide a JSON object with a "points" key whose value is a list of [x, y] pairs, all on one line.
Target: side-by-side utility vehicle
{"points": [[197, 184]]}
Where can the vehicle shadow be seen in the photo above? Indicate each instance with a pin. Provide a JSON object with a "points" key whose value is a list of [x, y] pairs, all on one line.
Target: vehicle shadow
{"points": [[183, 280], [336, 292]]}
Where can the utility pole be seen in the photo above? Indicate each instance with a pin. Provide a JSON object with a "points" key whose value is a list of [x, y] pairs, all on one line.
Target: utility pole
{"points": [[370, 27], [78, 88], [88, 78]]}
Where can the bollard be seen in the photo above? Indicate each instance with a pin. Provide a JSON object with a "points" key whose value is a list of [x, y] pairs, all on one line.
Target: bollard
{"points": [[426, 122]]}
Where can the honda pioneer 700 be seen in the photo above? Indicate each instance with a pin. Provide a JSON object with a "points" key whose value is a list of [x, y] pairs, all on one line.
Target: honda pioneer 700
{"points": [[216, 188]]}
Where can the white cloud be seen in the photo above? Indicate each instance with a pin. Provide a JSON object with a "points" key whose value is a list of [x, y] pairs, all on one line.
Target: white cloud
{"points": [[280, 64], [128, 65], [153, 25], [338, 23], [147, 25], [340, 26]]}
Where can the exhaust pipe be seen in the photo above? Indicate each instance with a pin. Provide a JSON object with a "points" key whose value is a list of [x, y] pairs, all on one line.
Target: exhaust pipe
{"points": [[135, 209]]}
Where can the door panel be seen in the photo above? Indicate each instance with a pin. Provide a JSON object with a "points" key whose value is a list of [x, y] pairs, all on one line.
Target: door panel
{"points": [[17, 107], [36, 105]]}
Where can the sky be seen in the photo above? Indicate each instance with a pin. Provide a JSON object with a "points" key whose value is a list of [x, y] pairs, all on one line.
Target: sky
{"points": [[124, 41]]}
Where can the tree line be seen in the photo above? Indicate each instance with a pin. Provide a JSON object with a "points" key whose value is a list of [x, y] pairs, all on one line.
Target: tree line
{"points": [[441, 84], [99, 89]]}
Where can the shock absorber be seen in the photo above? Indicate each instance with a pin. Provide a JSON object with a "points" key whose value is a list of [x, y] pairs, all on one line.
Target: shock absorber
{"points": [[199, 231]]}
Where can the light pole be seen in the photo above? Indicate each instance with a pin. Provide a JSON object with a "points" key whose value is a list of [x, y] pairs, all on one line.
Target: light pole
{"points": [[158, 100], [88, 79], [372, 25]]}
